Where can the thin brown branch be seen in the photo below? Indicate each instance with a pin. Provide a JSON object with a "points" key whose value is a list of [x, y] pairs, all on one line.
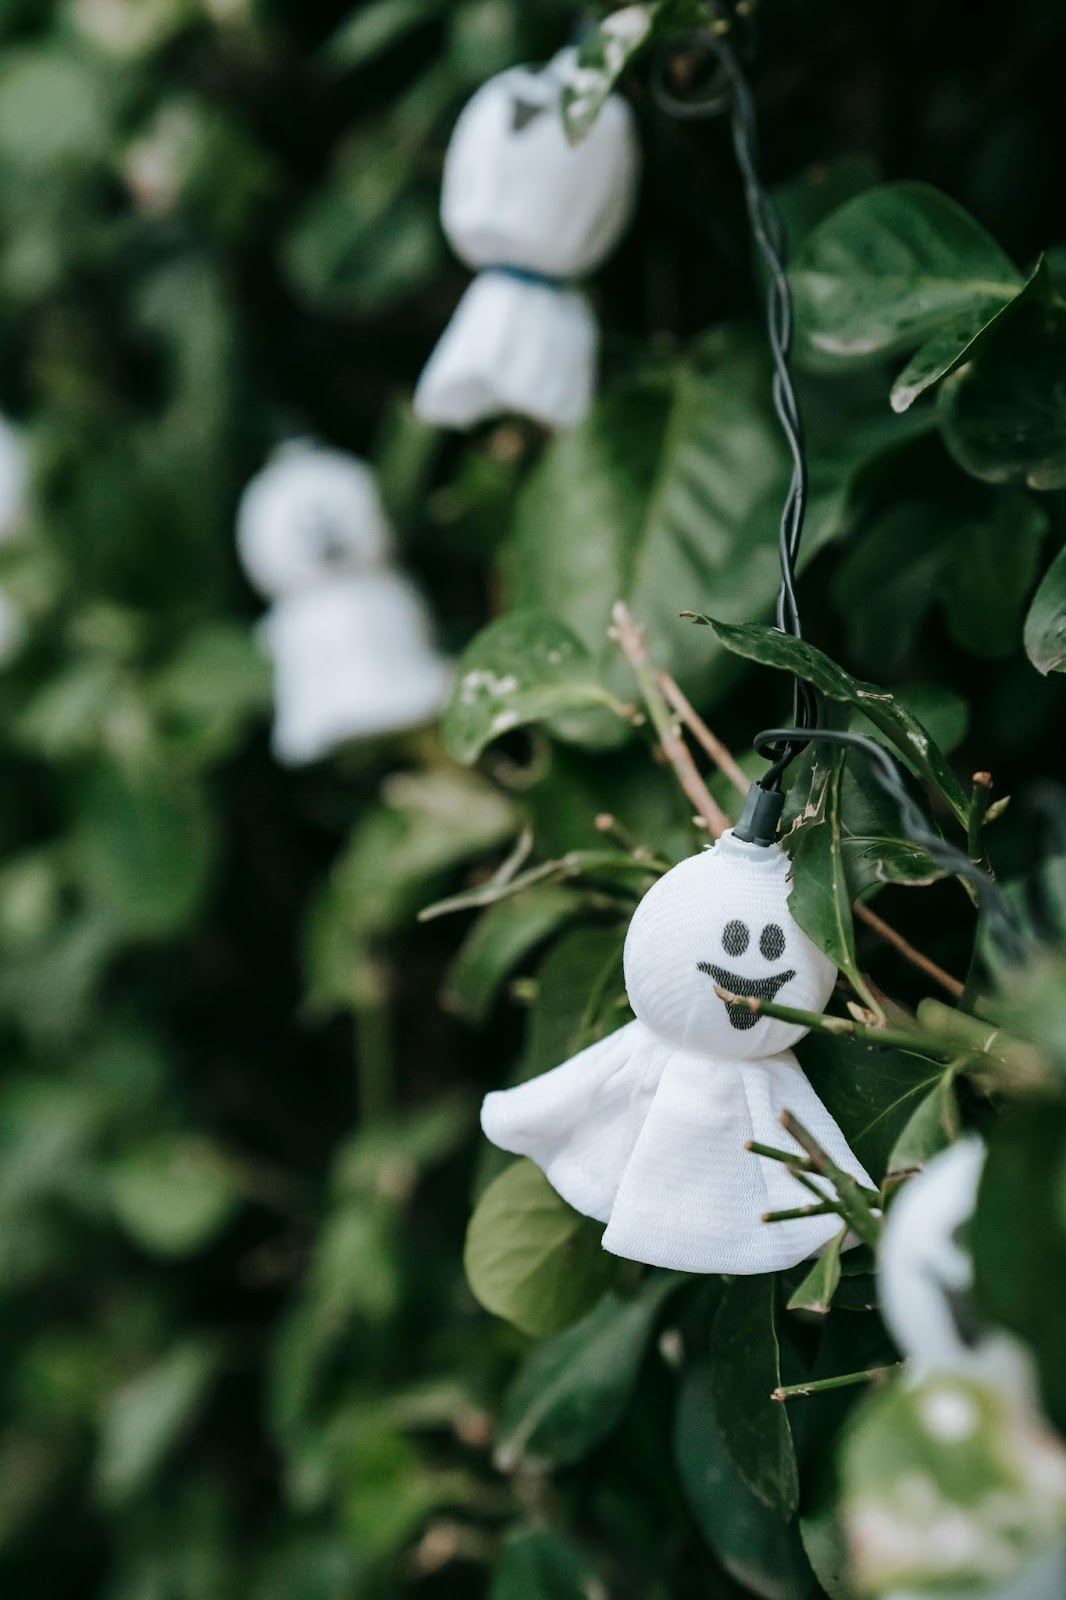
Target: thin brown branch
{"points": [[722, 757], [925, 964], [630, 639]]}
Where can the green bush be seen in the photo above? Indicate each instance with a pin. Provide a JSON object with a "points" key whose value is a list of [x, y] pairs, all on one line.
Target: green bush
{"points": [[239, 1356]]}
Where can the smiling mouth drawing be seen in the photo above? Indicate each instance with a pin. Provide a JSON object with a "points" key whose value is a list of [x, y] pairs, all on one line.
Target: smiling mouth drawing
{"points": [[742, 1017]]}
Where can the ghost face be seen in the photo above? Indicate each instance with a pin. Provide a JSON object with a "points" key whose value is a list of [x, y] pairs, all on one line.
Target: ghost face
{"points": [[310, 515], [517, 193], [721, 920], [925, 1270]]}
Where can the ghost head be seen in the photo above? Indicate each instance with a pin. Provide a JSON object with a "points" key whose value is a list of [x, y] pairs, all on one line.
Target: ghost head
{"points": [[926, 1275], [721, 919], [310, 515], [517, 193]]}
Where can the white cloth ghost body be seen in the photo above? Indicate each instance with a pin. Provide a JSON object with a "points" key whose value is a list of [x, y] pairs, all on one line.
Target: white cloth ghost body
{"points": [[530, 212], [349, 637], [925, 1288], [646, 1130]]}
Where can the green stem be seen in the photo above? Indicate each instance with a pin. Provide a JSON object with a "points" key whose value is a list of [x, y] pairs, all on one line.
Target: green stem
{"points": [[854, 1199], [792, 1391], [823, 1209], [912, 1039], [790, 1159], [980, 795], [798, 1166]]}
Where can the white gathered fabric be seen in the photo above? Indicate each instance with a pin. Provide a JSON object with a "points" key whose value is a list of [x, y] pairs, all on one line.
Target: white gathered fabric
{"points": [[646, 1129], [349, 636], [530, 212]]}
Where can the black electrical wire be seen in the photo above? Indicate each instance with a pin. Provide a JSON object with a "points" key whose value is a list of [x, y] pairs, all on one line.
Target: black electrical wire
{"points": [[729, 90]]}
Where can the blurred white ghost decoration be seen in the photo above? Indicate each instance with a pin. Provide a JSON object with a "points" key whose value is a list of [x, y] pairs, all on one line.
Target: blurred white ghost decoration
{"points": [[349, 636], [14, 482], [14, 508], [926, 1274], [531, 213], [926, 1293], [646, 1130]]}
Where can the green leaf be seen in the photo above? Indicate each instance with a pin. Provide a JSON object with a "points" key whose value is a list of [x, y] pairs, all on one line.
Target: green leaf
{"points": [[401, 852], [501, 938], [888, 270], [993, 1479], [816, 1291], [539, 1564], [1018, 1262], [746, 1371], [146, 1417], [54, 110], [531, 1258], [658, 496], [144, 848], [958, 341], [826, 1548], [525, 667], [821, 895], [872, 1094], [1003, 414], [932, 1126], [609, 49], [1045, 626], [172, 1194], [771, 648], [580, 997], [756, 1548], [210, 687], [804, 202], [572, 1390], [977, 559]]}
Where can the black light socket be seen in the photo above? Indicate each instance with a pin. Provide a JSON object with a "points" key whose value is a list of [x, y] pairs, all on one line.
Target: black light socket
{"points": [[760, 817]]}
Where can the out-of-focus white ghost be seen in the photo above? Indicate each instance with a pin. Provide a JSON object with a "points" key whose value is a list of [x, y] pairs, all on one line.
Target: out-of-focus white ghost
{"points": [[14, 507], [531, 213], [14, 482], [646, 1130], [349, 636], [926, 1293]]}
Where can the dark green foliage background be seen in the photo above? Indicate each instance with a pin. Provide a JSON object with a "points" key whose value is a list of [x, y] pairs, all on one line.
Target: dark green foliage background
{"points": [[238, 1357]]}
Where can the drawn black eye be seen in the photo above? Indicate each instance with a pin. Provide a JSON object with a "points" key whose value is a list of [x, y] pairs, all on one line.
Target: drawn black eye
{"points": [[735, 938], [523, 112], [772, 942]]}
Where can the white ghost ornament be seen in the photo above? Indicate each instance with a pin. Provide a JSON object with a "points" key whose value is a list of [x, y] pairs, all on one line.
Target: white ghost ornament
{"points": [[14, 481], [531, 213], [349, 636], [926, 1294], [646, 1130]]}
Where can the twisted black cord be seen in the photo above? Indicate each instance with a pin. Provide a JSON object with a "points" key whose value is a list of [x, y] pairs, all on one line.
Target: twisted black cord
{"points": [[990, 898], [733, 92]]}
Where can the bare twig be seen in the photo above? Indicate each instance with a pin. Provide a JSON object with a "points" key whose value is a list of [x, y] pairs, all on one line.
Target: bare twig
{"points": [[630, 639], [923, 962], [721, 756]]}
